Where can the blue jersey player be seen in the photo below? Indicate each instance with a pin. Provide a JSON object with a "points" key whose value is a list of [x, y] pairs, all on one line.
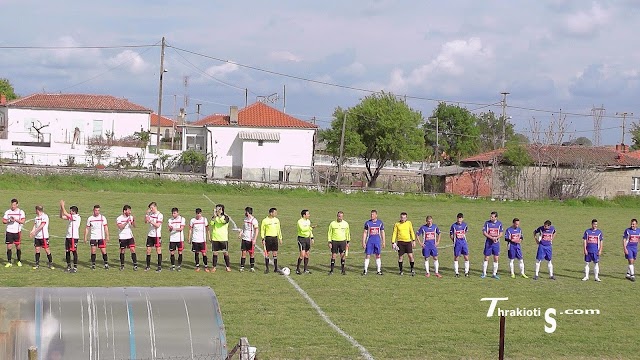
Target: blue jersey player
{"points": [[373, 240], [458, 234], [493, 231], [630, 240], [592, 242], [429, 237], [513, 236], [544, 236]]}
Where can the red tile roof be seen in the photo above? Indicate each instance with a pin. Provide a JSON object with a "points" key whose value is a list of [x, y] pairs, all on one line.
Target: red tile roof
{"points": [[164, 121], [77, 102], [258, 115], [565, 156]]}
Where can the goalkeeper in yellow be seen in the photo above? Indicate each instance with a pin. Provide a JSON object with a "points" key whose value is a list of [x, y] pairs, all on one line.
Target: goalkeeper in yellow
{"points": [[403, 241]]}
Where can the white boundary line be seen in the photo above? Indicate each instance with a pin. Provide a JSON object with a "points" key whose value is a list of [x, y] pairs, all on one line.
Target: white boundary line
{"points": [[363, 351]]}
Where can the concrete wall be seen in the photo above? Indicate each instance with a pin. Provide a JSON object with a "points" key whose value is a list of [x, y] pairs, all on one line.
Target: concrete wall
{"points": [[63, 122], [35, 170]]}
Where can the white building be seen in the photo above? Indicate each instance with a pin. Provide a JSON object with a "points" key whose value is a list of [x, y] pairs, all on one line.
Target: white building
{"points": [[257, 143]]}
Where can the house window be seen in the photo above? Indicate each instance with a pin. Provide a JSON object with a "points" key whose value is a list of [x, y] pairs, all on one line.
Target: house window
{"points": [[260, 142], [97, 127], [635, 185], [167, 135]]}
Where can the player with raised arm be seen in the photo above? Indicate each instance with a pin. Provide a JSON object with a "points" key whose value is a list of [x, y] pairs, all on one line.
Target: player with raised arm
{"points": [[248, 236], [592, 243], [176, 225], [493, 232], [40, 235], [403, 241], [305, 240], [544, 236], [429, 239], [630, 240], [125, 223], [97, 225], [339, 236], [198, 235], [513, 236], [73, 235], [154, 237], [219, 225], [373, 241], [14, 218], [271, 235], [458, 234]]}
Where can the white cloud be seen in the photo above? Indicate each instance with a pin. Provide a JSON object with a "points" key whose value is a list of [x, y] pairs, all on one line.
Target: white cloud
{"points": [[587, 22], [353, 69], [129, 59], [284, 56], [222, 70]]}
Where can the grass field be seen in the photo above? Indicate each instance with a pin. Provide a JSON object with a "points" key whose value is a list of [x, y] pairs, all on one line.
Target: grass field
{"points": [[392, 317]]}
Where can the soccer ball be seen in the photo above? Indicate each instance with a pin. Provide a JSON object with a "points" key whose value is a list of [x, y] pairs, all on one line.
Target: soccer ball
{"points": [[286, 271]]}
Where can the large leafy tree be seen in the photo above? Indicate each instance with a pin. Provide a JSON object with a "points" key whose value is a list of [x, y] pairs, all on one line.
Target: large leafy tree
{"points": [[635, 136], [458, 133], [7, 89], [490, 128], [381, 128]]}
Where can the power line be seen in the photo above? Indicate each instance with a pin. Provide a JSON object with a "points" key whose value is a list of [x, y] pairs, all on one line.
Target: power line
{"points": [[75, 47]]}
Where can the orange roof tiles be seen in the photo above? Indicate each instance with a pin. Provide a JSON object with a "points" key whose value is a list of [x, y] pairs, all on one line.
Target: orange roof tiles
{"points": [[77, 102], [258, 115], [164, 121]]}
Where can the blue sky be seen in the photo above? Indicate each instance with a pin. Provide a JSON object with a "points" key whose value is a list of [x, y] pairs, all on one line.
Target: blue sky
{"points": [[549, 54]]}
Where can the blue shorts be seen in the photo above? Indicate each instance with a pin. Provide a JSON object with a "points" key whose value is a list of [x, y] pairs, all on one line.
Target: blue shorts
{"points": [[514, 252], [632, 252], [592, 256], [491, 248], [544, 253], [460, 248], [373, 247], [429, 251]]}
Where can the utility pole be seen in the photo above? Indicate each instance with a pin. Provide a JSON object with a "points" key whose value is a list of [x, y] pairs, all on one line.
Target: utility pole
{"points": [[624, 120], [341, 158], [162, 70], [597, 113], [504, 118]]}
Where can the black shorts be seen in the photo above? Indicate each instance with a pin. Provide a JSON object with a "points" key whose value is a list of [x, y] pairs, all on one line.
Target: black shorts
{"points": [[176, 245], [304, 244], [99, 243], [153, 241], [199, 247], [271, 243], [12, 238], [70, 244], [127, 243], [43, 243], [220, 245], [246, 245], [404, 247], [338, 247]]}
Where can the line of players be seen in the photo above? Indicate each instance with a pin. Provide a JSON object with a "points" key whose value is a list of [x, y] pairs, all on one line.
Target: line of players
{"points": [[202, 231]]}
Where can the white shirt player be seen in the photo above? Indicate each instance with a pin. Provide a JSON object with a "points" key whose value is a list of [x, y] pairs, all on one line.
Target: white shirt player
{"points": [[176, 235], [126, 232], [156, 218], [249, 229], [14, 227], [73, 228], [40, 220], [96, 225], [198, 229]]}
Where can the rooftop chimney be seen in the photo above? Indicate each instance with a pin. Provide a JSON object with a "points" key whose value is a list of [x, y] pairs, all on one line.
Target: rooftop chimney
{"points": [[622, 148], [3, 100], [233, 115]]}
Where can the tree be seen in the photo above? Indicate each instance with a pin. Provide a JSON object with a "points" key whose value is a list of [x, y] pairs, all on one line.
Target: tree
{"points": [[582, 141], [635, 136], [381, 128], [457, 129], [7, 89], [192, 158], [490, 128]]}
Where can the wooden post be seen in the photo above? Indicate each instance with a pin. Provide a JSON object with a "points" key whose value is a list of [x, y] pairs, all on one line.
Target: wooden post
{"points": [[244, 348], [501, 350], [33, 353]]}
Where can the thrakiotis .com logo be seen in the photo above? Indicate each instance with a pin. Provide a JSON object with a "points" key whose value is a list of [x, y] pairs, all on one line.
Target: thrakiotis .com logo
{"points": [[549, 314]]}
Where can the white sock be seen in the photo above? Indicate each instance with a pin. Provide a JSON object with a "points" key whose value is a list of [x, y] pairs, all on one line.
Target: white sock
{"points": [[455, 266], [522, 267], [379, 264], [466, 267], [596, 270], [426, 265], [436, 266], [495, 268], [586, 270], [484, 267], [550, 266], [366, 264], [511, 266], [631, 270], [537, 268]]}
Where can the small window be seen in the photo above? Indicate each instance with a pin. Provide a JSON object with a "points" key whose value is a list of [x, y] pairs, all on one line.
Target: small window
{"points": [[260, 142], [635, 185]]}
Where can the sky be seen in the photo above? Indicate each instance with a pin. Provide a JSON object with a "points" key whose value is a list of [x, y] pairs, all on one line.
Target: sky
{"points": [[558, 59]]}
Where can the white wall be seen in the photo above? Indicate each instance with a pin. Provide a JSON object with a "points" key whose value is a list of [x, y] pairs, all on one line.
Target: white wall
{"points": [[63, 122]]}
